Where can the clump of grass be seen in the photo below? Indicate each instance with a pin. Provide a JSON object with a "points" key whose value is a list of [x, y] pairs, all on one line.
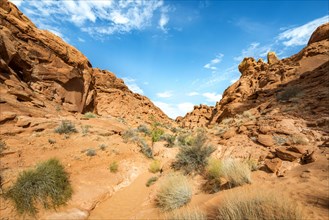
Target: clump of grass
{"points": [[102, 146], [213, 175], [90, 115], [252, 164], [174, 192], [66, 127], [195, 157], [145, 149], [144, 129], [155, 166], [114, 166], [51, 141], [85, 129], [188, 214], [235, 172], [48, 184], [91, 152], [151, 181], [258, 204], [185, 139]]}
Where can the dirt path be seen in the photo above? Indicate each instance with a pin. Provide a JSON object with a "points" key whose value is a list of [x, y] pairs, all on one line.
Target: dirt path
{"points": [[126, 203]]}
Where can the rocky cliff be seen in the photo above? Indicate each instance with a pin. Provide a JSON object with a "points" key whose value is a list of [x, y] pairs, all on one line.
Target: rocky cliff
{"points": [[297, 86], [41, 74]]}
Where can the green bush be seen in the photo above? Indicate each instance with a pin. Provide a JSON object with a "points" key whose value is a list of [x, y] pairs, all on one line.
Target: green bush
{"points": [[90, 115], [258, 204], [155, 166], [156, 133], [195, 157], [151, 181], [174, 192], [185, 139], [170, 139], [47, 184], [114, 166], [213, 169], [66, 127]]}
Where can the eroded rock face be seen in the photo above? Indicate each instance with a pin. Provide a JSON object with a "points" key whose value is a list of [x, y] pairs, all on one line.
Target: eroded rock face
{"points": [[39, 70], [298, 85], [199, 117]]}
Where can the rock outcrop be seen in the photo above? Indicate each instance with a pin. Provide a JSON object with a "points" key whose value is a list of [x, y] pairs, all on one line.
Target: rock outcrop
{"points": [[297, 85], [41, 74]]}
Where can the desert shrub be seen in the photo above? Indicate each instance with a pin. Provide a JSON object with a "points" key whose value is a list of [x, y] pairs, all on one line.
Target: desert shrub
{"points": [[145, 149], [174, 192], [288, 93], [130, 136], [51, 141], [151, 181], [85, 129], [213, 169], [144, 129], [258, 204], [235, 172], [185, 139], [66, 127], [114, 166], [156, 134], [47, 184], [188, 214], [102, 146], [195, 157], [90, 152], [90, 115], [155, 166], [170, 139]]}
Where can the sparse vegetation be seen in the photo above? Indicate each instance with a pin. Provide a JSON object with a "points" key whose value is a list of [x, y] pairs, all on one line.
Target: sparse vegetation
{"points": [[85, 129], [114, 166], [213, 174], [48, 184], [90, 115], [151, 181], [156, 133], [2, 146], [130, 136], [155, 166], [90, 152], [51, 141], [174, 192], [170, 139], [288, 93], [235, 172], [188, 214], [299, 139], [257, 204], [144, 129], [102, 146], [252, 164], [185, 139], [66, 127], [195, 157], [145, 149]]}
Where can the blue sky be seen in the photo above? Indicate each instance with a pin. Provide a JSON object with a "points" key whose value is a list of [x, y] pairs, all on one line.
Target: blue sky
{"points": [[178, 53]]}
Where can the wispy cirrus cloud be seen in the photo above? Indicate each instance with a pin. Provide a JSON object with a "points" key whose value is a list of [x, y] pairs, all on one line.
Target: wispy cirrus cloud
{"points": [[255, 49], [98, 18], [212, 96], [300, 35], [192, 94], [165, 94], [132, 85], [214, 62]]}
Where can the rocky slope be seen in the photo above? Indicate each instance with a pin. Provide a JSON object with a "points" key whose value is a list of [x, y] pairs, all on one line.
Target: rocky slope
{"points": [[41, 74], [300, 82]]}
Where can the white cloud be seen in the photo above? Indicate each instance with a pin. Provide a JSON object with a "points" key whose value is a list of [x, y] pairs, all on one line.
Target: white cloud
{"points": [[193, 94], [166, 94], [234, 80], [212, 96], [17, 2], [98, 17], [132, 85], [164, 19], [81, 40], [213, 62], [174, 110], [300, 35], [254, 50]]}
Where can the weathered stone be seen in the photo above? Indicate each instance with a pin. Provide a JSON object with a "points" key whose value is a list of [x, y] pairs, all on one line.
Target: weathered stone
{"points": [[6, 116], [283, 154], [273, 165], [266, 140], [229, 133], [272, 58]]}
